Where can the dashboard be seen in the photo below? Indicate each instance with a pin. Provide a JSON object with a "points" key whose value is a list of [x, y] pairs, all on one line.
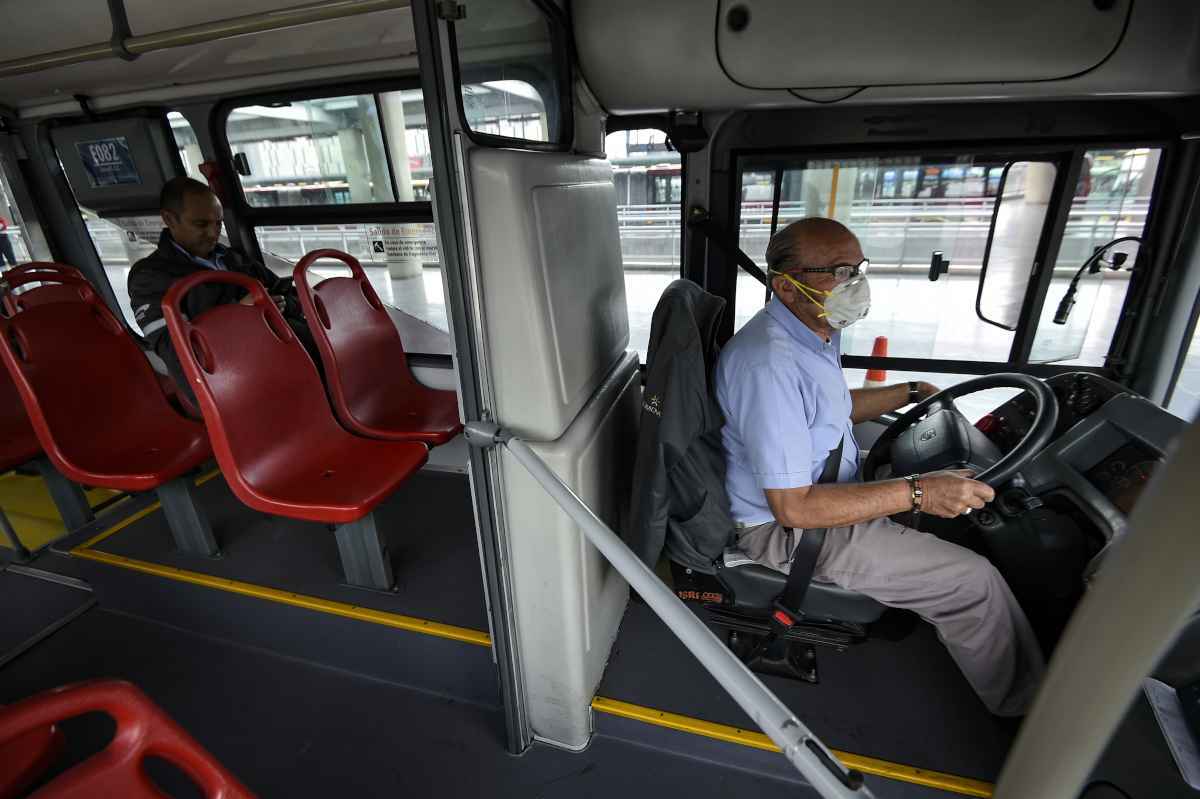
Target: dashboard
{"points": [[1107, 444]]}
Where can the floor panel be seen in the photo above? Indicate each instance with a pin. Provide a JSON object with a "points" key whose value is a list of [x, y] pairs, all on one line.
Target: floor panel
{"points": [[903, 701]]}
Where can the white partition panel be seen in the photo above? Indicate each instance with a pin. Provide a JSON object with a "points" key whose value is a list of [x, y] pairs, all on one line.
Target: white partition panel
{"points": [[569, 600], [553, 291]]}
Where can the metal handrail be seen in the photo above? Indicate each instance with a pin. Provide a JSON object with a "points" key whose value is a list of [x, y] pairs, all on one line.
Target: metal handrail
{"points": [[133, 46], [798, 744]]}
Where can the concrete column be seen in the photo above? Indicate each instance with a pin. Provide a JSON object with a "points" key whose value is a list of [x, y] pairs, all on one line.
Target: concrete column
{"points": [[392, 108], [354, 156], [193, 158]]}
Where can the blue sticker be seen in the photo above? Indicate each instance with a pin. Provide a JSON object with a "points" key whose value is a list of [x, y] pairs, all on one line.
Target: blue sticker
{"points": [[108, 162]]}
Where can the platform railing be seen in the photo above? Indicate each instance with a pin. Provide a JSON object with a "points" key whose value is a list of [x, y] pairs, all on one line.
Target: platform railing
{"points": [[799, 745]]}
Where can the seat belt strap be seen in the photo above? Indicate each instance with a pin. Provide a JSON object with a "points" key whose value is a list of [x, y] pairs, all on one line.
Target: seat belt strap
{"points": [[804, 561], [700, 221]]}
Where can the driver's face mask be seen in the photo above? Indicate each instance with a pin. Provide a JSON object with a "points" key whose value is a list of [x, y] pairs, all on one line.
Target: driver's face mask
{"points": [[846, 304]]}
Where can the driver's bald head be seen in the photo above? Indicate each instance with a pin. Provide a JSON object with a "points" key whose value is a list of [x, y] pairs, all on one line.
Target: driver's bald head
{"points": [[811, 241]]}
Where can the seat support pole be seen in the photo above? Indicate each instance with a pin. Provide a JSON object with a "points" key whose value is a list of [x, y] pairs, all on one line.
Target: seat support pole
{"points": [[72, 503], [189, 524], [22, 552], [365, 559]]}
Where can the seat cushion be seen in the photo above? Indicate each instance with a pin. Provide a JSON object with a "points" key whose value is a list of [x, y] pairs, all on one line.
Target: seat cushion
{"points": [[754, 587]]}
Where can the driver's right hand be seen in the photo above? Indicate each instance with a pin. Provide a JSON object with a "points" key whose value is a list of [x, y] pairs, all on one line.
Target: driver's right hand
{"points": [[949, 493]]}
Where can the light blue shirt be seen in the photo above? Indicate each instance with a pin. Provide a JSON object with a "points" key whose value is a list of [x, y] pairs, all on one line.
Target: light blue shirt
{"points": [[786, 406], [217, 262]]}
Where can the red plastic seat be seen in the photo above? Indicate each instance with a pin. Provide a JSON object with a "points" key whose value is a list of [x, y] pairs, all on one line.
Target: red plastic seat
{"points": [[55, 283], [93, 399], [143, 730], [18, 441], [26, 757], [373, 391], [273, 433]]}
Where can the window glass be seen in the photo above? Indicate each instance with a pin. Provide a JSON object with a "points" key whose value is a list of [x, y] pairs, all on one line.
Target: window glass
{"points": [[508, 70], [121, 242], [401, 261], [1111, 201], [332, 150], [973, 406], [14, 247], [647, 176], [902, 210], [188, 144], [1185, 401]]}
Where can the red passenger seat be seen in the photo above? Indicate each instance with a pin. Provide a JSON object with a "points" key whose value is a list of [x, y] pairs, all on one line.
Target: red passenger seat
{"points": [[55, 283], [18, 441], [273, 433], [373, 391], [143, 730], [94, 400]]}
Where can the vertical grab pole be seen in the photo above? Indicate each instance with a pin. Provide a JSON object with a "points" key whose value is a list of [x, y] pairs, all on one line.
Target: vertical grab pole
{"points": [[795, 740]]}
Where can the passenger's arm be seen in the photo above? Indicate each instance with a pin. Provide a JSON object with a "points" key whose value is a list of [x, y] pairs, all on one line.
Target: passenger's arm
{"points": [[946, 494], [870, 403]]}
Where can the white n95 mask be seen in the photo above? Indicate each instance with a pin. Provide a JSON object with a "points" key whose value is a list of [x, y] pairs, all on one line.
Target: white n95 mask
{"points": [[846, 304]]}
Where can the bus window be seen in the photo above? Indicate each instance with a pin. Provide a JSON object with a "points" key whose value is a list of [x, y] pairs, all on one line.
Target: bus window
{"points": [[401, 261], [648, 180], [121, 242], [511, 73], [1185, 400], [14, 247], [902, 209], [329, 150], [1111, 201], [188, 144]]}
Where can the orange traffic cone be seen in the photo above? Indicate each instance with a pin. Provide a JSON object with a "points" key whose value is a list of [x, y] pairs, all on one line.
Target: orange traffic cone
{"points": [[877, 377]]}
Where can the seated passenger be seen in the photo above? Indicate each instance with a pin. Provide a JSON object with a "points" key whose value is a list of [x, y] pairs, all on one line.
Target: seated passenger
{"points": [[193, 215], [780, 385]]}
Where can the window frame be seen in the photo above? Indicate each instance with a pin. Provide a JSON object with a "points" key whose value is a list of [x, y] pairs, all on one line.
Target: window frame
{"points": [[255, 216], [249, 218], [1068, 157], [563, 51]]}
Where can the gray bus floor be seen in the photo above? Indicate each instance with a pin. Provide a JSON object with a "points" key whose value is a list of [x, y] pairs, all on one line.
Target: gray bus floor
{"points": [[902, 701], [428, 525], [290, 728]]}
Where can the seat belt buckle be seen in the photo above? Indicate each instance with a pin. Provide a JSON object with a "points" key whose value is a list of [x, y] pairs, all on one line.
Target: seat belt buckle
{"points": [[782, 619]]}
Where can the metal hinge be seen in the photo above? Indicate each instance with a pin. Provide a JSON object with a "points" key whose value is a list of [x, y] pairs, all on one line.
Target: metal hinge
{"points": [[450, 10]]}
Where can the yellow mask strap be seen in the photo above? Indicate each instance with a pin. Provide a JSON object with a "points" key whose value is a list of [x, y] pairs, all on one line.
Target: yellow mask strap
{"points": [[809, 292]]}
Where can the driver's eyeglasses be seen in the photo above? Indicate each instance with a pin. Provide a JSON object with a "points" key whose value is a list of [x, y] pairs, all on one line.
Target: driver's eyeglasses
{"points": [[840, 272]]}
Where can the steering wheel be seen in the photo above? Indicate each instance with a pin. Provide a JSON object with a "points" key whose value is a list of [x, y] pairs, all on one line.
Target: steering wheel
{"points": [[935, 434]]}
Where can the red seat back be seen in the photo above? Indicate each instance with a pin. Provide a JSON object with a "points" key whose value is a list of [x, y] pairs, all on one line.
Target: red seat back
{"points": [[372, 388], [55, 283], [143, 730], [18, 441], [89, 391], [258, 389]]}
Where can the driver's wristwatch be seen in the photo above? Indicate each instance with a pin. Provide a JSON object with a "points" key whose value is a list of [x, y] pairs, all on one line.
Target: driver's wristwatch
{"points": [[916, 494], [914, 391]]}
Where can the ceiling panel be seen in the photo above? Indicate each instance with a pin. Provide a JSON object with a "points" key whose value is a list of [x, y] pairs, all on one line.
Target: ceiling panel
{"points": [[380, 35]]}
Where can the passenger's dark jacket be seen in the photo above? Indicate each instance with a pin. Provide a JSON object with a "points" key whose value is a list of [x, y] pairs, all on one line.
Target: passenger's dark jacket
{"points": [[150, 278], [679, 494]]}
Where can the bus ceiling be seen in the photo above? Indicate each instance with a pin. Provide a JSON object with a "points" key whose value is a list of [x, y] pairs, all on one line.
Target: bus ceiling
{"points": [[770, 53], [207, 45]]}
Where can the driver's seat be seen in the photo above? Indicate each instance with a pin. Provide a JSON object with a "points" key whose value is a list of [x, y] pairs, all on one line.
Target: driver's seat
{"points": [[679, 501]]}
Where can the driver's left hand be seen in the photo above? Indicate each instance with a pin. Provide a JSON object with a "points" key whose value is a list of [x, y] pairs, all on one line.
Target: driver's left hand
{"points": [[926, 390]]}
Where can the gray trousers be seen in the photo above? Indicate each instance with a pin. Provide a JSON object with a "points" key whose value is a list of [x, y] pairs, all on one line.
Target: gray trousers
{"points": [[958, 592]]}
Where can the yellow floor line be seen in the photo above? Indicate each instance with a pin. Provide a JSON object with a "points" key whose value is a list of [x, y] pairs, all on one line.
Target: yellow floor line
{"points": [[410, 623], [143, 513], [723, 732]]}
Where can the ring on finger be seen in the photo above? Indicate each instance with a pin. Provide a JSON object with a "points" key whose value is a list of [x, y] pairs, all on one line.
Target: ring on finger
{"points": [[967, 512]]}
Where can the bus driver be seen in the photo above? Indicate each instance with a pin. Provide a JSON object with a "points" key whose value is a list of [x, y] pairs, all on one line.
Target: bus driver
{"points": [[780, 385]]}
